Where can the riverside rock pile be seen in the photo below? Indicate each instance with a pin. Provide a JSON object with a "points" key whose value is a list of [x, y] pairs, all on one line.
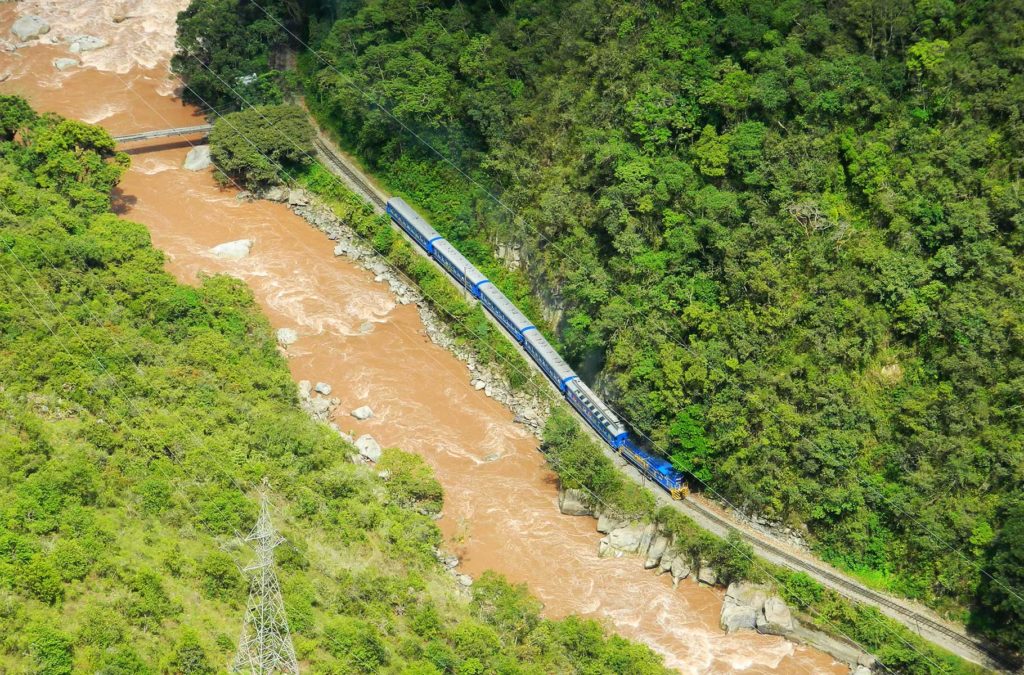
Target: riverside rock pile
{"points": [[746, 606], [530, 411]]}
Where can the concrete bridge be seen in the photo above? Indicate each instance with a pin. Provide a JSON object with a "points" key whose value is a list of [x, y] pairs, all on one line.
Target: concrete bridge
{"points": [[164, 133]]}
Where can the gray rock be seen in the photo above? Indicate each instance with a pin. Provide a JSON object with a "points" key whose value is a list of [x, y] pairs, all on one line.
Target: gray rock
{"points": [[627, 539], [666, 563], [323, 388], [198, 158], [861, 670], [362, 412], [465, 580], [480, 384], [320, 407], [233, 250], [287, 336], [655, 552], [680, 568], [736, 617], [573, 502], [776, 618], [606, 550], [305, 389], [277, 194], [368, 447], [65, 64], [748, 594], [606, 523], [86, 43], [297, 198], [30, 27], [707, 575]]}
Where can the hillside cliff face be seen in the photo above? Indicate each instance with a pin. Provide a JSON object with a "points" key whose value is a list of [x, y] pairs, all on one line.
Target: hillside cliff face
{"points": [[792, 230]]}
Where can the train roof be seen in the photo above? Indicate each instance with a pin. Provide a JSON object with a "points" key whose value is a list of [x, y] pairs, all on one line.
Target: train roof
{"points": [[415, 220], [459, 261], [506, 306], [612, 421], [548, 353]]}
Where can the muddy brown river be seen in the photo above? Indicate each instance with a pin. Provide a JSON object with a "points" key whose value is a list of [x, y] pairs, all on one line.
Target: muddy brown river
{"points": [[499, 514]]}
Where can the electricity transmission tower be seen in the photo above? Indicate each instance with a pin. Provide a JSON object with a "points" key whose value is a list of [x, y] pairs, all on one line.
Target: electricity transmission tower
{"points": [[266, 644]]}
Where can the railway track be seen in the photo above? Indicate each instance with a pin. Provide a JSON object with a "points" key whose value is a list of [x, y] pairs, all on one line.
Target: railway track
{"points": [[981, 651], [856, 591], [363, 186]]}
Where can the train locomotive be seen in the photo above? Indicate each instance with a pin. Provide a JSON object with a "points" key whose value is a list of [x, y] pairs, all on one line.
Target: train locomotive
{"points": [[575, 390]]}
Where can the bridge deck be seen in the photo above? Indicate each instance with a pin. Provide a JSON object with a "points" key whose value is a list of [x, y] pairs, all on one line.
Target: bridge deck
{"points": [[164, 133]]}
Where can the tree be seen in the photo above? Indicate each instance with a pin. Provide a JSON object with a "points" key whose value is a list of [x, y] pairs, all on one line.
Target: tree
{"points": [[16, 115], [260, 146], [999, 593]]}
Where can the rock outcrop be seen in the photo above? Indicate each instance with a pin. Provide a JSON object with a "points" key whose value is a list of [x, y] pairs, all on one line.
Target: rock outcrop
{"points": [[368, 447], [30, 27], [573, 503], [234, 250], [707, 575], [750, 606], [198, 158], [776, 619]]}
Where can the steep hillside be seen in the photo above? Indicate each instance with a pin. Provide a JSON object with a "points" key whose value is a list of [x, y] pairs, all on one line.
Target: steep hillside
{"points": [[137, 415], [786, 237]]}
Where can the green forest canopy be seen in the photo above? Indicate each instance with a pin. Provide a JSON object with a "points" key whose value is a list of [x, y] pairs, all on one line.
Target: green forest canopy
{"points": [[135, 413], [785, 238]]}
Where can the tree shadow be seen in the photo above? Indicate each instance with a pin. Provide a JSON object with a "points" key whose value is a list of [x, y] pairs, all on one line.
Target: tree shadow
{"points": [[121, 203]]}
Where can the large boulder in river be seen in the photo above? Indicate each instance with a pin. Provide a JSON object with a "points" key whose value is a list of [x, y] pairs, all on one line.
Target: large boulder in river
{"points": [[198, 158], [656, 551], [86, 43], [30, 27], [368, 447], [233, 250], [737, 617], [742, 606], [363, 412], [680, 569], [573, 502], [606, 523], [775, 618]]}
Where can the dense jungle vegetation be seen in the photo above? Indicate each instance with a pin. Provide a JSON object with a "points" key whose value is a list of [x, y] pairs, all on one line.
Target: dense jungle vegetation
{"points": [[784, 237], [136, 416]]}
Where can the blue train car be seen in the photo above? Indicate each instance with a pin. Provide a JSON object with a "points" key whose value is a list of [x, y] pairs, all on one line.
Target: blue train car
{"points": [[577, 393], [548, 359], [413, 224], [657, 469], [465, 272], [507, 314], [593, 409]]}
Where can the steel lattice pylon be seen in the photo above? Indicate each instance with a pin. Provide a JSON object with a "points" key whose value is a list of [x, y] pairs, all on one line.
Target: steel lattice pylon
{"points": [[266, 643]]}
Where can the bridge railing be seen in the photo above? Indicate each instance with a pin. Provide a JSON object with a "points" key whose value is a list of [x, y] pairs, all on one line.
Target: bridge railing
{"points": [[164, 133]]}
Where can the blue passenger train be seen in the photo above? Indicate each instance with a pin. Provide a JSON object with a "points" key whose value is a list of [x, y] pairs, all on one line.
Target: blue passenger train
{"points": [[605, 422]]}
